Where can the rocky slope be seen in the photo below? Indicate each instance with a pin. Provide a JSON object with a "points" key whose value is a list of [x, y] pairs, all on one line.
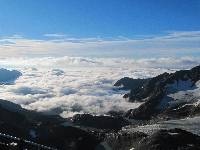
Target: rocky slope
{"points": [[44, 129], [174, 95], [158, 123], [100, 122], [172, 139], [165, 97]]}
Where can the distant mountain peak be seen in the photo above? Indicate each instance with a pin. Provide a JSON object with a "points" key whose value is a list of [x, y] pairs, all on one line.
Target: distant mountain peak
{"points": [[8, 77]]}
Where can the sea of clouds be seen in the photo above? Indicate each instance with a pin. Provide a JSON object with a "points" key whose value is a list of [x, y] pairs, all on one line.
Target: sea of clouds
{"points": [[71, 85]]}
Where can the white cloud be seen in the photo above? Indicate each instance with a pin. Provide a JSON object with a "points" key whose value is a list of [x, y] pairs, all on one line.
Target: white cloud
{"points": [[57, 63], [70, 85], [29, 90], [55, 35], [172, 43]]}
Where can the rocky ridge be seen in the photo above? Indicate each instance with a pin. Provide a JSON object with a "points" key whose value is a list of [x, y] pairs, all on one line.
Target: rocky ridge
{"points": [[162, 95]]}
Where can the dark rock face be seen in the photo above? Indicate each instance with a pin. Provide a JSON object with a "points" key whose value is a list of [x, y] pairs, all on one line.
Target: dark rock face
{"points": [[173, 139], [69, 137], [148, 88], [185, 110], [142, 88], [127, 83], [100, 122], [153, 90], [134, 85], [114, 113], [46, 130], [7, 77], [147, 110]]}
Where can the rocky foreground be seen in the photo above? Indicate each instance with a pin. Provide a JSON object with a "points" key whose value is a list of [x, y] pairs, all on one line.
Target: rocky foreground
{"points": [[159, 123]]}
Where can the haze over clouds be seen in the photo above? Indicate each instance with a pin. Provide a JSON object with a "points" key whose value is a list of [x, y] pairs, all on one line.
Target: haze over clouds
{"points": [[70, 85], [185, 43]]}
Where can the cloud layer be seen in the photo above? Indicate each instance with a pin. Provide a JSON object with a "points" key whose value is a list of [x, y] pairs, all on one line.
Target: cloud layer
{"points": [[70, 85]]}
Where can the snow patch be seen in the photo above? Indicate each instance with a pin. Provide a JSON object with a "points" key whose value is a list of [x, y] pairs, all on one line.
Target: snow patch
{"points": [[188, 124], [173, 133], [180, 93]]}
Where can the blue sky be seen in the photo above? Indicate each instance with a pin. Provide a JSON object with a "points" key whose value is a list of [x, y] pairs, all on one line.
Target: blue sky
{"points": [[121, 20]]}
